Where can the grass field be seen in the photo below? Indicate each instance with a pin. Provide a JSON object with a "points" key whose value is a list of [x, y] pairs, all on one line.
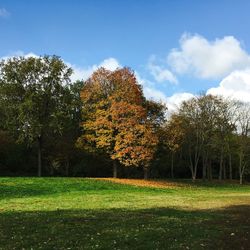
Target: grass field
{"points": [[78, 213]]}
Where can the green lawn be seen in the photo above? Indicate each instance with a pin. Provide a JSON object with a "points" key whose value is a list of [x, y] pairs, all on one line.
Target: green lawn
{"points": [[78, 213]]}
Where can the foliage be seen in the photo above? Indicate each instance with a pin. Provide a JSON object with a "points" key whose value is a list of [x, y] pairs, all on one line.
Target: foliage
{"points": [[36, 98], [117, 119]]}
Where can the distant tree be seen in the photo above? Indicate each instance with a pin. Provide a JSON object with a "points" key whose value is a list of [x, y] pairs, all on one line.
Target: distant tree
{"points": [[173, 134], [116, 120], [191, 124], [207, 128], [33, 92], [243, 139]]}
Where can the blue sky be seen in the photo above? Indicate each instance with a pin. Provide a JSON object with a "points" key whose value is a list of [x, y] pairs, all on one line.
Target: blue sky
{"points": [[176, 47]]}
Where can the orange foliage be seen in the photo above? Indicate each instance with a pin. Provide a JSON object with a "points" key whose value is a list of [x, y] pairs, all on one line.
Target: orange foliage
{"points": [[147, 183], [115, 118]]}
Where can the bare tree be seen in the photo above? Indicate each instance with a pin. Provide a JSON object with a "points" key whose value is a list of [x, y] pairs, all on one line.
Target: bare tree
{"points": [[243, 138]]}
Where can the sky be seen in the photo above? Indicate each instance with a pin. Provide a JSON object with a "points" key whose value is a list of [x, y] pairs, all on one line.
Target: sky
{"points": [[177, 48]]}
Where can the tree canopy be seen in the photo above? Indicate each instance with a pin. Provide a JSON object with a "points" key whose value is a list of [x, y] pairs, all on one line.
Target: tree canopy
{"points": [[117, 119], [34, 94]]}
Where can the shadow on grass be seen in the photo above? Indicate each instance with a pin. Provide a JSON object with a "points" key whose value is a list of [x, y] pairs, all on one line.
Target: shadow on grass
{"points": [[158, 228]]}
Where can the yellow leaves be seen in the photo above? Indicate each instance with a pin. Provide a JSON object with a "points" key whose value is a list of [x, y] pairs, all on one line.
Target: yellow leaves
{"points": [[116, 117], [136, 145]]}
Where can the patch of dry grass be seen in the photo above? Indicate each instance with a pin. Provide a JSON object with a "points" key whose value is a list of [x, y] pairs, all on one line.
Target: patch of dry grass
{"points": [[147, 183]]}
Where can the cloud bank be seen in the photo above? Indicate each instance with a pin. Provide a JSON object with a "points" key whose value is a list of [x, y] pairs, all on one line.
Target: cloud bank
{"points": [[83, 73], [208, 59], [236, 86]]}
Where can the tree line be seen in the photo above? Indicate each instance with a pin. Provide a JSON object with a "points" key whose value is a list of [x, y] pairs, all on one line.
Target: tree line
{"points": [[105, 126]]}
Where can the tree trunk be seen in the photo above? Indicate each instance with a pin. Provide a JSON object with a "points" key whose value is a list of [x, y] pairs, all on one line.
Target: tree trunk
{"points": [[204, 172], [195, 169], [209, 171], [241, 168], [67, 167], [230, 167], [241, 178], [145, 170], [39, 172], [204, 166], [114, 169], [224, 171], [221, 165], [193, 172], [191, 166], [193, 177], [172, 166]]}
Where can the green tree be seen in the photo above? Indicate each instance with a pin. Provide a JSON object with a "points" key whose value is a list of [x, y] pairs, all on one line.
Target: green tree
{"points": [[62, 150], [33, 92]]}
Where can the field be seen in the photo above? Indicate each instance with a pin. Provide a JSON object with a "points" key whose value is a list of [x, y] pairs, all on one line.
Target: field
{"points": [[81, 213]]}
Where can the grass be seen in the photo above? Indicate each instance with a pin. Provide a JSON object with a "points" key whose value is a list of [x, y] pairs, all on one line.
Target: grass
{"points": [[79, 213]]}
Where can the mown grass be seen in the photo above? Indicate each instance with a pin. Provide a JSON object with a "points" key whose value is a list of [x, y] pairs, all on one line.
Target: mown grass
{"points": [[78, 213]]}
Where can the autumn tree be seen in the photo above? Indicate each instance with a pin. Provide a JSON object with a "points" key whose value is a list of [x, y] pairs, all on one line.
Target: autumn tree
{"points": [[33, 92], [116, 120]]}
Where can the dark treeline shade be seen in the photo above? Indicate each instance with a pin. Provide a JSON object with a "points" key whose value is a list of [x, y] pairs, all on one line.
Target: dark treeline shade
{"points": [[44, 118]]}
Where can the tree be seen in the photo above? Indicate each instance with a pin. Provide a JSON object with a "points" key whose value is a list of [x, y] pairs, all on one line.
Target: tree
{"points": [[206, 122], [243, 138], [190, 115], [62, 151], [116, 120], [174, 136], [33, 92]]}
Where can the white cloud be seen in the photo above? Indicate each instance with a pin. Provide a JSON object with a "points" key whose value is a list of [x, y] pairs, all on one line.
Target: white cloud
{"points": [[236, 86], [4, 13], [85, 72], [160, 73], [154, 94], [110, 64], [80, 73], [208, 59], [174, 101], [151, 92]]}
